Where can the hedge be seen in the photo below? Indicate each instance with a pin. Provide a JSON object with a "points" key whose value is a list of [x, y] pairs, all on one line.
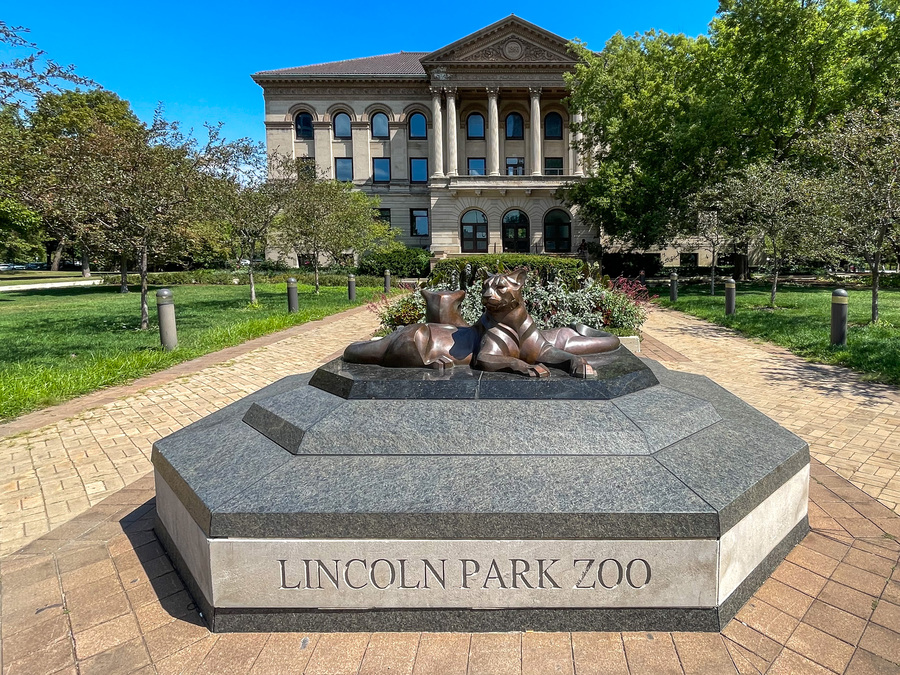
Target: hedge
{"points": [[405, 262], [242, 278], [547, 267]]}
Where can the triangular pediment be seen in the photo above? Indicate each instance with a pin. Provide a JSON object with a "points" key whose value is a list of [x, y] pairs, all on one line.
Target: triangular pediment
{"points": [[511, 41]]}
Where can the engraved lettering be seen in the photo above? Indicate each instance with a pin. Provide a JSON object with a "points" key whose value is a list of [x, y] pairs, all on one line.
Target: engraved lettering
{"points": [[440, 577], [306, 569], [517, 575], [466, 574], [321, 567], [545, 573], [347, 573], [284, 583], [372, 573], [646, 577], [403, 583], [620, 573], [494, 574], [590, 563]]}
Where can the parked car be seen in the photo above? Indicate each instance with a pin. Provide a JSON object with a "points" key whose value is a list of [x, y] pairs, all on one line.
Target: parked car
{"points": [[5, 266], [18, 267], [36, 266]]}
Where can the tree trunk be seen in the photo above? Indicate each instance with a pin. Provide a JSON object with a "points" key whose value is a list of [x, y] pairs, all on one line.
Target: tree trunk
{"points": [[123, 272], [876, 279], [316, 271], [85, 263], [712, 275], [57, 255], [145, 309], [774, 276], [252, 285]]}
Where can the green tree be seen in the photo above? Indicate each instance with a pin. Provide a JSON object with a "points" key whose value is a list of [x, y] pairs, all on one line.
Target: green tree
{"points": [[326, 219], [863, 147]]}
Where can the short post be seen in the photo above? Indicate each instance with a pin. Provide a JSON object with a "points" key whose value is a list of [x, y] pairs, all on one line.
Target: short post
{"points": [[642, 278], [387, 281], [351, 288], [839, 307], [165, 311], [673, 287], [293, 300], [730, 293]]}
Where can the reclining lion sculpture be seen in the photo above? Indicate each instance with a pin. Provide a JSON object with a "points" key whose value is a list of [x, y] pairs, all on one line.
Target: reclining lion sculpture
{"points": [[505, 339]]}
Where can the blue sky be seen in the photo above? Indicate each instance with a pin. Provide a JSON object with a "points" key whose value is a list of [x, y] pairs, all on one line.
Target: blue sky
{"points": [[196, 58]]}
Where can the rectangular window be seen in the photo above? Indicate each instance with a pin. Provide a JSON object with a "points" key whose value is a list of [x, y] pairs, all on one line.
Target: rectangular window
{"points": [[418, 222], [688, 259], [476, 166], [553, 166], [381, 170], [418, 170], [343, 169], [515, 166], [384, 215]]}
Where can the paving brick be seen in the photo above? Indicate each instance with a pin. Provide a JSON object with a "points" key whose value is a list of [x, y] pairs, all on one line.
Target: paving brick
{"points": [[836, 622], [703, 654], [390, 653], [599, 654], [495, 654], [442, 654], [338, 654], [820, 647], [651, 653], [547, 653]]}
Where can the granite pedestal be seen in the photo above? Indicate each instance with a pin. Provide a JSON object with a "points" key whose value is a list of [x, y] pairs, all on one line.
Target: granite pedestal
{"points": [[361, 498]]}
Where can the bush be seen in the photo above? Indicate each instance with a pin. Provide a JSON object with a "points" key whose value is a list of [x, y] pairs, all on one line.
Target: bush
{"points": [[545, 267], [619, 305], [402, 262], [241, 278]]}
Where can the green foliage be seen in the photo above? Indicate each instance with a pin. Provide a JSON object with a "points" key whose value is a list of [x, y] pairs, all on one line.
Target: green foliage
{"points": [[403, 262], [620, 306], [801, 324], [60, 343], [242, 278], [546, 267]]}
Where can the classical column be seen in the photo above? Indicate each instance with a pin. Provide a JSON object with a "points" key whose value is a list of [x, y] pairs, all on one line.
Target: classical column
{"points": [[578, 169], [437, 134], [452, 126], [493, 158], [536, 152]]}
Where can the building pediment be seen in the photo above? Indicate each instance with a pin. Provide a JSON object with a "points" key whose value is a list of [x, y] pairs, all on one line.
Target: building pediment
{"points": [[510, 42]]}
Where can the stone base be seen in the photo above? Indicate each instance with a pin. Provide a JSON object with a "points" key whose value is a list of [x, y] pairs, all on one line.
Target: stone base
{"points": [[661, 509]]}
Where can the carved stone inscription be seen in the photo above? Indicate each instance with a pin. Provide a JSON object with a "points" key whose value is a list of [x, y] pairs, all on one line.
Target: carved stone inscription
{"points": [[360, 574]]}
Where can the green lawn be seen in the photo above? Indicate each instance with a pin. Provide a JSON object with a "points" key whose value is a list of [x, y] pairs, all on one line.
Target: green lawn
{"points": [[802, 323], [59, 343]]}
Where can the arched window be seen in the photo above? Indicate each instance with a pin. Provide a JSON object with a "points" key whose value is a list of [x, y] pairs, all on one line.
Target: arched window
{"points": [[515, 127], [417, 126], [342, 126], [516, 237], [475, 126], [557, 232], [553, 126], [380, 126], [474, 232], [303, 126]]}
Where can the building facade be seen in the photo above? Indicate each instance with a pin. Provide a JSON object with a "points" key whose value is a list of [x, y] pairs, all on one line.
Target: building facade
{"points": [[465, 146]]}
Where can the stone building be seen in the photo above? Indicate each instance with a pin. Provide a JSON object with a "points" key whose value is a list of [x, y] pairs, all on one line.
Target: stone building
{"points": [[465, 145]]}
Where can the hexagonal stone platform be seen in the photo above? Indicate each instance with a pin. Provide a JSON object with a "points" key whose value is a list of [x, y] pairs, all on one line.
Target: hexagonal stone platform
{"points": [[362, 498]]}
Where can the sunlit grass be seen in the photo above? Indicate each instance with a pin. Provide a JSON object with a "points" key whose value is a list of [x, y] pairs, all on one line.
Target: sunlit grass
{"points": [[801, 323], [59, 343]]}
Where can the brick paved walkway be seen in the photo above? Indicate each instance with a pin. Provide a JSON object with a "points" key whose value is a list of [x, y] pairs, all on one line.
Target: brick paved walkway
{"points": [[93, 591]]}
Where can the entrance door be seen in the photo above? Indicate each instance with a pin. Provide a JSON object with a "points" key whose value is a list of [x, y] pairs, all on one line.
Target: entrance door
{"points": [[516, 235]]}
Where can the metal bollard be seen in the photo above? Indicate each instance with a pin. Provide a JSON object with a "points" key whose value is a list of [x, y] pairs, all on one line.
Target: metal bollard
{"points": [[351, 288], [387, 281], [839, 310], [165, 311], [293, 300], [730, 297], [673, 287]]}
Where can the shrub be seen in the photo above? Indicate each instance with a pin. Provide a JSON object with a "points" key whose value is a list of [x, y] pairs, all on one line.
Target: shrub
{"points": [[402, 262], [619, 305], [545, 267], [241, 278]]}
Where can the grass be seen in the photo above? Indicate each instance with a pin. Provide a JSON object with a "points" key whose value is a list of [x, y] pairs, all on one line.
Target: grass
{"points": [[56, 344], [801, 323]]}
